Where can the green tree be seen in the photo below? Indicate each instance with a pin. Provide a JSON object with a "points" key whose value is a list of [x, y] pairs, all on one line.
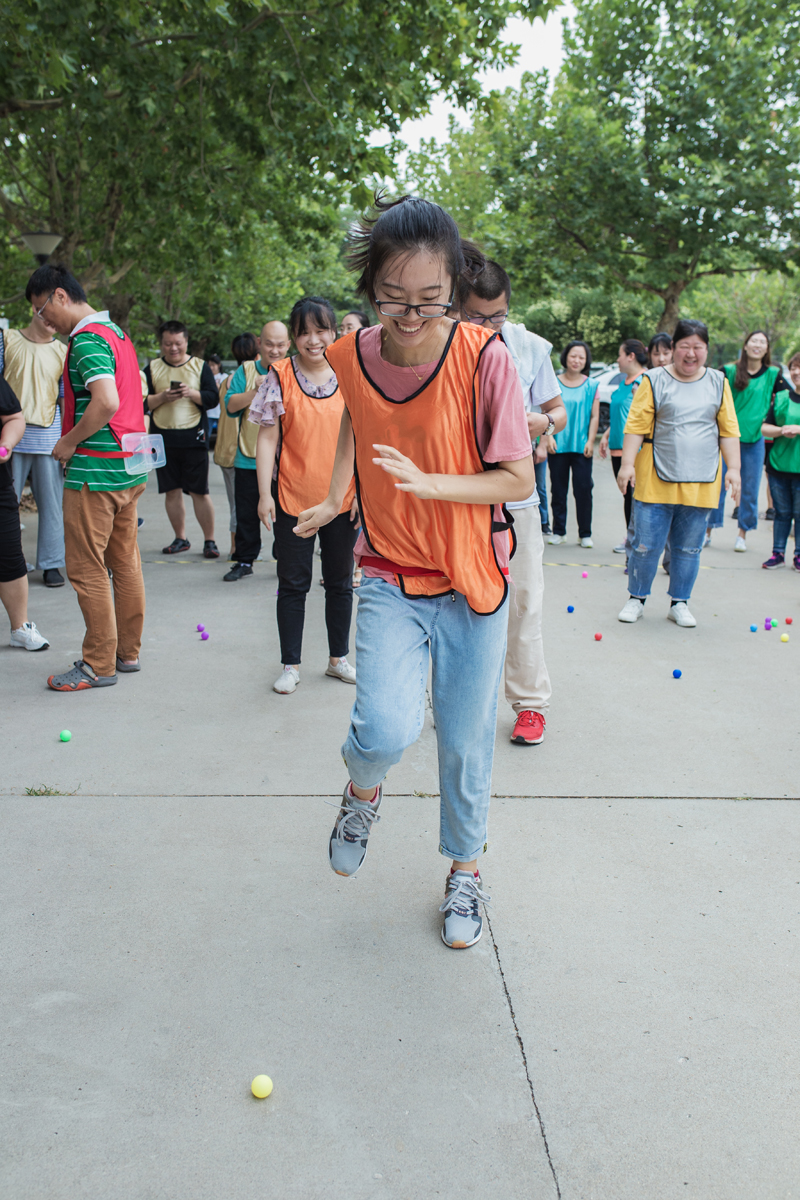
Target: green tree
{"points": [[669, 150], [733, 308], [134, 130]]}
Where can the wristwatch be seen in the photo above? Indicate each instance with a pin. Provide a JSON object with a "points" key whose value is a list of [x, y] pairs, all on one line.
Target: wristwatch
{"points": [[551, 427]]}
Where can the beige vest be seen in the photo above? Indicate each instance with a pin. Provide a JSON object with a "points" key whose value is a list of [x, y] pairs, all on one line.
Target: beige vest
{"points": [[33, 371], [248, 432], [227, 432], [176, 414]]}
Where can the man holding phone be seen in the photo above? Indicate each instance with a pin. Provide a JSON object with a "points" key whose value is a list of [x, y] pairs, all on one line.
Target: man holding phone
{"points": [[181, 390]]}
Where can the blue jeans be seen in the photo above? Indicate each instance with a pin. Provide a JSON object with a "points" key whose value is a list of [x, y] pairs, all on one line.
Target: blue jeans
{"points": [[654, 523], [395, 637], [752, 465], [541, 488], [786, 498]]}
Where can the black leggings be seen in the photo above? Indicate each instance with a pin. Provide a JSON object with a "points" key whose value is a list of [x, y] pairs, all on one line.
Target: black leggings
{"points": [[627, 499], [12, 560], [560, 465], [295, 563]]}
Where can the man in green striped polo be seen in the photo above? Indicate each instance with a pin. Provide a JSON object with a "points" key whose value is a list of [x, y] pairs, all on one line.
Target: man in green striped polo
{"points": [[100, 497]]}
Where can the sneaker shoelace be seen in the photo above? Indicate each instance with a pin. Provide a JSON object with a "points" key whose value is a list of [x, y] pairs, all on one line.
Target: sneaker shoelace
{"points": [[527, 717], [463, 895], [356, 823]]}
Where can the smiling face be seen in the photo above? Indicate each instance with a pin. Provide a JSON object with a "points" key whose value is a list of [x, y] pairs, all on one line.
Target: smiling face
{"points": [[689, 356], [174, 348], [416, 279], [273, 343], [576, 360], [349, 324], [756, 346], [794, 375], [312, 344], [661, 355]]}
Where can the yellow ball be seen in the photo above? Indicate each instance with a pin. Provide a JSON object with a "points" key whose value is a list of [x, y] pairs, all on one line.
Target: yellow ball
{"points": [[784, 637], [261, 1086]]}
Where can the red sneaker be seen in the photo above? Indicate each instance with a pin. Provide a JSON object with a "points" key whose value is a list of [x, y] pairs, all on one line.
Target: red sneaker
{"points": [[529, 729]]}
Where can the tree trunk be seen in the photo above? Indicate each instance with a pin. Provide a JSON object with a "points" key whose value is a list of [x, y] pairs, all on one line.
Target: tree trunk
{"points": [[671, 314], [119, 309]]}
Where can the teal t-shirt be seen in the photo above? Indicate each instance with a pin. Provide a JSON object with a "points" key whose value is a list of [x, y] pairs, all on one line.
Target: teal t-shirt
{"points": [[238, 385], [578, 402], [621, 399]]}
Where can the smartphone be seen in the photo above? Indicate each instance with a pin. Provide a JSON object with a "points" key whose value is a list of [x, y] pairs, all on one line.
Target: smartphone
{"points": [[175, 385]]}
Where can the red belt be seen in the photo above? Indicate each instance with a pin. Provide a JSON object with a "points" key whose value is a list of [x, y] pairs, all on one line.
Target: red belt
{"points": [[105, 453], [383, 564]]}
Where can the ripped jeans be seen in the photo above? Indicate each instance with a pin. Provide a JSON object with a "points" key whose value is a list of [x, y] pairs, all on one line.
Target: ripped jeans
{"points": [[653, 524]]}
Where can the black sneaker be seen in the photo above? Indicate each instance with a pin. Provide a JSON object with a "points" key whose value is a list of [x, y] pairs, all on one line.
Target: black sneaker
{"points": [[210, 549], [53, 577], [735, 513], [177, 546], [240, 571], [769, 515]]}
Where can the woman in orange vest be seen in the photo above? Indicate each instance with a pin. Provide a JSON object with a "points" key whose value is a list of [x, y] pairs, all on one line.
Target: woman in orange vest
{"points": [[299, 408], [435, 428]]}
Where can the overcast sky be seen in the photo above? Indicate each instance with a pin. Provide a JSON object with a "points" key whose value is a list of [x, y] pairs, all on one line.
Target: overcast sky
{"points": [[540, 47]]}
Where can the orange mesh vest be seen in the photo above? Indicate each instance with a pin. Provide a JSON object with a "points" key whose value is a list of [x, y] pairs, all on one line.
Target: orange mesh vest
{"points": [[436, 429], [309, 433]]}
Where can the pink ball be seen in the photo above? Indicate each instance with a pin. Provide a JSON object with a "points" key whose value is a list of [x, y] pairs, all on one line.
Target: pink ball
{"points": [[3, 452], [584, 575], [203, 637], [598, 637]]}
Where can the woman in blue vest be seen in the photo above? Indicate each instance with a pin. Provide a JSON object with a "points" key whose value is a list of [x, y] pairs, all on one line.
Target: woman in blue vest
{"points": [[574, 446]]}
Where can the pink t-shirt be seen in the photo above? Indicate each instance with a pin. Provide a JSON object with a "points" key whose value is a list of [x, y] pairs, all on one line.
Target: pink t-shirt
{"points": [[502, 427]]}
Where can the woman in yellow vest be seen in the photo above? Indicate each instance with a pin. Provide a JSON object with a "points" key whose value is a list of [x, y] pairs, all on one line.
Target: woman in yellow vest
{"points": [[299, 408], [435, 427]]}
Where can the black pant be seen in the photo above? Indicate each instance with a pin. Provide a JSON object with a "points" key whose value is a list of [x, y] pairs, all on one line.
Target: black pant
{"points": [[247, 545], [295, 561], [616, 463], [12, 560], [582, 485]]}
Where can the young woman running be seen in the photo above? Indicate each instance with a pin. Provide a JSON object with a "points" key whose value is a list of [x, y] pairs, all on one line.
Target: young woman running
{"points": [[435, 423], [681, 418], [299, 408], [783, 465], [573, 448], [752, 380], [632, 362]]}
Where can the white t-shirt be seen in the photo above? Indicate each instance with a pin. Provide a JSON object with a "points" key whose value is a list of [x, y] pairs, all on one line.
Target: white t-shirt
{"points": [[531, 355]]}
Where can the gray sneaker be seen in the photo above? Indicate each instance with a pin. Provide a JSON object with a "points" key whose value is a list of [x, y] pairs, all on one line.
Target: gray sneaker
{"points": [[463, 923], [347, 848]]}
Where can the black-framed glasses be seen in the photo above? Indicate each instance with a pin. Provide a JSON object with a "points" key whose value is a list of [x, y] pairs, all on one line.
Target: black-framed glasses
{"points": [[427, 312], [494, 319], [37, 312]]}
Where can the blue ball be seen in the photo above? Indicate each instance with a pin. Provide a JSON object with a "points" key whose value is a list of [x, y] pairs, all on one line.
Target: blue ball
{"points": [[676, 674], [570, 608], [754, 629]]}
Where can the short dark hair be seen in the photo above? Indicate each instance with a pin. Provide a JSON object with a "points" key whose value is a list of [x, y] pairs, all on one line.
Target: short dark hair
{"points": [[360, 316], [492, 283], [312, 308], [689, 328], [794, 359], [215, 358], [634, 346], [173, 327], [659, 339], [52, 276], [408, 225], [244, 348], [571, 346]]}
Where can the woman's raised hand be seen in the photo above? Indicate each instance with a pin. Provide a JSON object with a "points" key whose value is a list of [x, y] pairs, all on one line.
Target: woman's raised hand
{"points": [[411, 479]]}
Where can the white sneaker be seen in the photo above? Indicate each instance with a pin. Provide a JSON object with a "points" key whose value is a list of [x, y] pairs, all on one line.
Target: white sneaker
{"points": [[741, 545], [679, 613], [287, 681], [586, 543], [342, 671], [620, 549], [632, 611], [27, 637], [556, 539], [707, 539]]}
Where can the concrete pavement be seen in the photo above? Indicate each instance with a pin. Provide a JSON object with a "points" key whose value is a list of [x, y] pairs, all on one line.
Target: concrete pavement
{"points": [[626, 1029]]}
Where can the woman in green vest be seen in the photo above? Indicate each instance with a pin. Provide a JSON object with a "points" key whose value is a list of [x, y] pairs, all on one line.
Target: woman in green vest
{"points": [[752, 380], [783, 464]]}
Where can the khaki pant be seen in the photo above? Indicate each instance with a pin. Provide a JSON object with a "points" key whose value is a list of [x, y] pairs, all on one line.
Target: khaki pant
{"points": [[526, 679], [100, 534]]}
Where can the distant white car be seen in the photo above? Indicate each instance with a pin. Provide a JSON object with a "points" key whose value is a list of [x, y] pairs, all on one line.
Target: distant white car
{"points": [[606, 379]]}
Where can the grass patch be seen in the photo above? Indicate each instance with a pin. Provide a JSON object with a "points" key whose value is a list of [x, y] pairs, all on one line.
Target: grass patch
{"points": [[44, 790]]}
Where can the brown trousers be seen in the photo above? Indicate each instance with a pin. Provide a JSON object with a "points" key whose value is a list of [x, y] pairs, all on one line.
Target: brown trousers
{"points": [[100, 534]]}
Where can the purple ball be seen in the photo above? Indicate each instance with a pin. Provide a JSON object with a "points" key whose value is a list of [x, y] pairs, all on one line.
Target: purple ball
{"points": [[200, 628], [203, 637]]}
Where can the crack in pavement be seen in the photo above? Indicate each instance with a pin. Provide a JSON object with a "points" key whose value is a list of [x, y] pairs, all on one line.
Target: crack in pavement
{"points": [[521, 1045]]}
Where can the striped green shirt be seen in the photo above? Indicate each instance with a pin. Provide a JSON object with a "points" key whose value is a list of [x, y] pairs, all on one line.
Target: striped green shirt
{"points": [[90, 358]]}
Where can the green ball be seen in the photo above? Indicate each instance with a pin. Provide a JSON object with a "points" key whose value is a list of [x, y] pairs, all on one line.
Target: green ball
{"points": [[65, 735], [774, 624]]}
